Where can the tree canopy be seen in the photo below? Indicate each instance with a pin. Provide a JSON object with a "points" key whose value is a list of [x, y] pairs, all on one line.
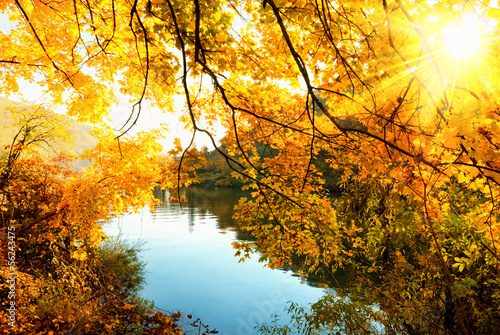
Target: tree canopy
{"points": [[382, 89]]}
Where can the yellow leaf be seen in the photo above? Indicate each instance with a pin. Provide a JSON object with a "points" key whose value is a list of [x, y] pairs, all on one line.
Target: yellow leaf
{"points": [[220, 37]]}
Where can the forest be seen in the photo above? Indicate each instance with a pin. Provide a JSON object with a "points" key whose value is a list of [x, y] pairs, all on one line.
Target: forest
{"points": [[394, 105]]}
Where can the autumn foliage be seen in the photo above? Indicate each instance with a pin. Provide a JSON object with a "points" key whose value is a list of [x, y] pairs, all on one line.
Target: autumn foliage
{"points": [[56, 268], [376, 87]]}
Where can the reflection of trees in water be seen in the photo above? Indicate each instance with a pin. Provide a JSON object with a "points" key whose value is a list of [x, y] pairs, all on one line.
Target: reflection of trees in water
{"points": [[160, 194], [339, 279], [220, 202]]}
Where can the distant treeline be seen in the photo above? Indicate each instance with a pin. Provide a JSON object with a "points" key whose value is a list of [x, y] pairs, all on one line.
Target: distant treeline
{"points": [[215, 172]]}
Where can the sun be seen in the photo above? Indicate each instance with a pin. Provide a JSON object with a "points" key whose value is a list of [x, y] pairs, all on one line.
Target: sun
{"points": [[463, 39]]}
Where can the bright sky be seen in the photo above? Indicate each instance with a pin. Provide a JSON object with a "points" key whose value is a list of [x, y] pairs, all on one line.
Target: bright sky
{"points": [[150, 117]]}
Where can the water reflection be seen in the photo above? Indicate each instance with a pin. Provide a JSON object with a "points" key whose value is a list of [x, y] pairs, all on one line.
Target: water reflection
{"points": [[192, 268]]}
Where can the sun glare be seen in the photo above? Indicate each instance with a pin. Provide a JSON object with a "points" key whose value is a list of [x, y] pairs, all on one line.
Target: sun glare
{"points": [[463, 39]]}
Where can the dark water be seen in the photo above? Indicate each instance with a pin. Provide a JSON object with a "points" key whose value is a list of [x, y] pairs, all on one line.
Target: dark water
{"points": [[191, 265]]}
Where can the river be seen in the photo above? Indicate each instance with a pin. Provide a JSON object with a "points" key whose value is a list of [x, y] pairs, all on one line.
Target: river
{"points": [[191, 266]]}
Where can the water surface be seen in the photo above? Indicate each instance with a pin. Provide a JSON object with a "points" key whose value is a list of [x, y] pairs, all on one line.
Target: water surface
{"points": [[191, 265]]}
